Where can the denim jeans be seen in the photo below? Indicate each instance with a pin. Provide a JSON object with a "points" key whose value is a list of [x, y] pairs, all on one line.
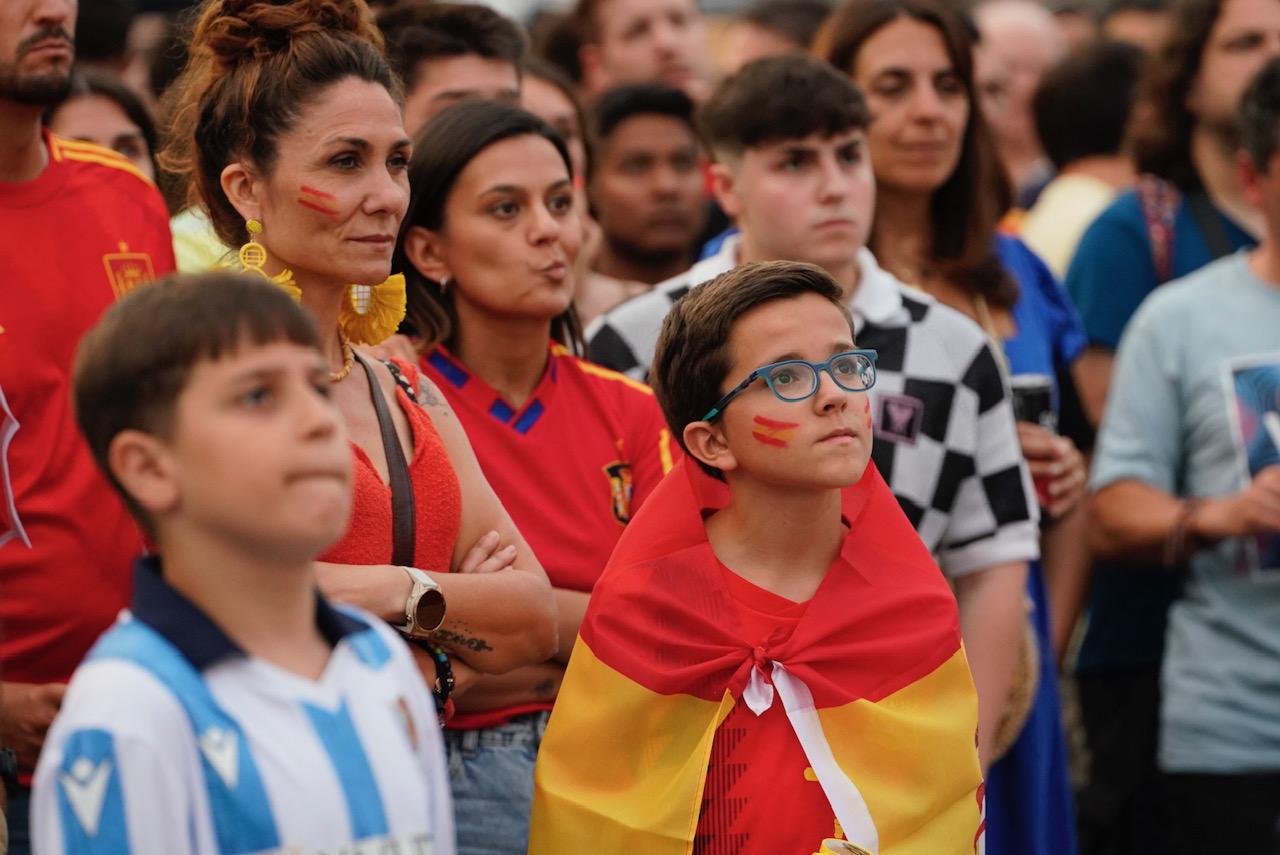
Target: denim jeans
{"points": [[491, 774]]}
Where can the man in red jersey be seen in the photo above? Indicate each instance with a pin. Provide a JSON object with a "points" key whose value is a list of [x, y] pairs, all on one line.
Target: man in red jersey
{"points": [[81, 227]]}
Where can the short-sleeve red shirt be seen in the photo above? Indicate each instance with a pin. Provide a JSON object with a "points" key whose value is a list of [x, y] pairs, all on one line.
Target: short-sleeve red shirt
{"points": [[86, 231], [572, 464]]}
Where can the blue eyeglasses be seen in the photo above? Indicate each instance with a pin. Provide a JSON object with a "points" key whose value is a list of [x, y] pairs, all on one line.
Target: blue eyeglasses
{"points": [[796, 379]]}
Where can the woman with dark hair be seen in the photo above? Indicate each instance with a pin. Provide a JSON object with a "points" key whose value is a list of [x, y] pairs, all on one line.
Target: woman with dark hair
{"points": [[940, 193], [571, 448], [287, 126], [100, 109]]}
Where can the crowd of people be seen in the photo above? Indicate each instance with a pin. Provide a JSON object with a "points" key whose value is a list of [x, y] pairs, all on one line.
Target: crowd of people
{"points": [[633, 430]]}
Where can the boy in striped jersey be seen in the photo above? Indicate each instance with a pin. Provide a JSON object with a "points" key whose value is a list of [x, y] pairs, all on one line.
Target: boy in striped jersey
{"points": [[232, 709]]}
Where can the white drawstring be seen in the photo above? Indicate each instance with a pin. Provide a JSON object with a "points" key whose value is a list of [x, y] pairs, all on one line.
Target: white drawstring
{"points": [[842, 794]]}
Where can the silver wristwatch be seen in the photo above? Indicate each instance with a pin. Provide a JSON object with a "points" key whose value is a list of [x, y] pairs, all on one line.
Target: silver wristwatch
{"points": [[424, 609]]}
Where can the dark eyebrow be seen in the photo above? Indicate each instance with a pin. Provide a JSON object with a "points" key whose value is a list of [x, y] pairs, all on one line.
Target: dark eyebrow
{"points": [[563, 182], [354, 142]]}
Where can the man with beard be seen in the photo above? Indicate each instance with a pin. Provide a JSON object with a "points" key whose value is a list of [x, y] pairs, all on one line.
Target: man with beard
{"points": [[647, 187], [82, 227]]}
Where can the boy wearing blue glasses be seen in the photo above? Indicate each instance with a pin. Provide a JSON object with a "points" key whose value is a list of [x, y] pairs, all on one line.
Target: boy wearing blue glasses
{"points": [[771, 662], [788, 137]]}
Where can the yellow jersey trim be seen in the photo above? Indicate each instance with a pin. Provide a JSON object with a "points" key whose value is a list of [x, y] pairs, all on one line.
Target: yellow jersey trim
{"points": [[90, 153], [609, 374]]}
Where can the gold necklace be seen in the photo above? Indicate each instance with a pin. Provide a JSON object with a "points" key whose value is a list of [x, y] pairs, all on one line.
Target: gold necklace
{"points": [[348, 359]]}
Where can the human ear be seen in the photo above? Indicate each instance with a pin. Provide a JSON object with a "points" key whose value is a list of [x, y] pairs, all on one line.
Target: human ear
{"points": [[1248, 173], [242, 189], [706, 442], [143, 466], [425, 251], [724, 185]]}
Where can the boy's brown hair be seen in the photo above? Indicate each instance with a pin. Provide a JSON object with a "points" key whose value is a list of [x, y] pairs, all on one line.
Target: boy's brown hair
{"points": [[780, 98], [132, 366], [692, 362]]}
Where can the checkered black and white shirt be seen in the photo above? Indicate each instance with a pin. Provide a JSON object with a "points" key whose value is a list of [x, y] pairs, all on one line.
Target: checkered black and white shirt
{"points": [[945, 439]]}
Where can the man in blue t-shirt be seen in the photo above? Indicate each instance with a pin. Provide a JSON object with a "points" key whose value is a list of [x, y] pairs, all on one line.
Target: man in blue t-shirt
{"points": [[1188, 469], [1187, 210]]}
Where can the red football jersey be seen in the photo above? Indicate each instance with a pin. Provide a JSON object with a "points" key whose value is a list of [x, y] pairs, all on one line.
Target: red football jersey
{"points": [[75, 240], [572, 464]]}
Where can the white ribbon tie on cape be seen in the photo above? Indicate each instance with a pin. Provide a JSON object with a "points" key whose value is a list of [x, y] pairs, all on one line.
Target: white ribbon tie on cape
{"points": [[847, 803]]}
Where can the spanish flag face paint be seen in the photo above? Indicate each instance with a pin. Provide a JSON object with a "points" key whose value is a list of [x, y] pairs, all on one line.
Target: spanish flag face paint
{"points": [[318, 200], [775, 433]]}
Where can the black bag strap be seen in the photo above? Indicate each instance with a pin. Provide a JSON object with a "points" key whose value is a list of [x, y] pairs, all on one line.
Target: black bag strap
{"points": [[403, 536], [1210, 223]]}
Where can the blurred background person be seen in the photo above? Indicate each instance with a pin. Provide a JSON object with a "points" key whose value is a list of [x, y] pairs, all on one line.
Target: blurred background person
{"points": [[647, 186], [1019, 41], [1188, 469], [940, 193], [642, 41], [1077, 20], [450, 52], [100, 109], [770, 27], [1141, 23], [571, 449], [1082, 109], [1187, 209]]}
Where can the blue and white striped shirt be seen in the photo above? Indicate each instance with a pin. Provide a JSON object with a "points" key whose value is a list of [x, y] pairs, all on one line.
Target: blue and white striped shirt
{"points": [[173, 740]]}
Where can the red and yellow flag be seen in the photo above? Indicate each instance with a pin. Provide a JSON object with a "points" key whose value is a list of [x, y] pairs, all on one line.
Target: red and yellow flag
{"points": [[873, 678]]}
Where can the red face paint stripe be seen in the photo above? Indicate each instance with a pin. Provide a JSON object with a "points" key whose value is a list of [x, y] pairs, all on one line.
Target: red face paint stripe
{"points": [[770, 423], [319, 194], [306, 203], [769, 440]]}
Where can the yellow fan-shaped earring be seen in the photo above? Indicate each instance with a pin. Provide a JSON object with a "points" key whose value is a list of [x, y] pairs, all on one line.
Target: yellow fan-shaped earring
{"points": [[372, 313], [253, 256]]}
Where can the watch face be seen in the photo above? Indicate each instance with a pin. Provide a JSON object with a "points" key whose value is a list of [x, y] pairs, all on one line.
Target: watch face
{"points": [[430, 611]]}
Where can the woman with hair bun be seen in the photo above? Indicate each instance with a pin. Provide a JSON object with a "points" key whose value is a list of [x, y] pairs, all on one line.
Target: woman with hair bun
{"points": [[287, 126]]}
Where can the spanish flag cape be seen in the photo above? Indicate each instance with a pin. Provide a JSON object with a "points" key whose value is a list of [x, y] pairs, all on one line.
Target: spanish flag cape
{"points": [[873, 679]]}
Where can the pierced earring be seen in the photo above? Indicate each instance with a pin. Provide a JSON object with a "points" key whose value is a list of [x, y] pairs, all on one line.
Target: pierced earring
{"points": [[253, 256], [372, 313], [444, 284]]}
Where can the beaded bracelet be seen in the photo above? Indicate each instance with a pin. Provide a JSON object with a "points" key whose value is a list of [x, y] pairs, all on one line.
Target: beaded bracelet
{"points": [[442, 691]]}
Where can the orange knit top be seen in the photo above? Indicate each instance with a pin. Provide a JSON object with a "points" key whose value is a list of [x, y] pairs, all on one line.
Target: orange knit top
{"points": [[436, 492]]}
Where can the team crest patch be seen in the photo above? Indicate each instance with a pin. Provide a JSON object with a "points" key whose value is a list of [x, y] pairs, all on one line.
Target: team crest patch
{"points": [[619, 475], [900, 417], [127, 270]]}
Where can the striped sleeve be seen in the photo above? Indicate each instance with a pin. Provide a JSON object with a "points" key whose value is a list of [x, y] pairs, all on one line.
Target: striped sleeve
{"points": [[115, 775]]}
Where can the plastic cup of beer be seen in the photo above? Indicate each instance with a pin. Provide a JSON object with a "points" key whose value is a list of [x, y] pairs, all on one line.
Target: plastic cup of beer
{"points": [[1032, 396]]}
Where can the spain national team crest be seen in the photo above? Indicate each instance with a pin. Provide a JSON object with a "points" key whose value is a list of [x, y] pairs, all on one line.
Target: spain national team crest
{"points": [[127, 270], [619, 475]]}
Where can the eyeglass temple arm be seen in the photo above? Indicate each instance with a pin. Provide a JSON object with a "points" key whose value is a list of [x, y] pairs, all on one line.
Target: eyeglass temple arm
{"points": [[723, 402]]}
